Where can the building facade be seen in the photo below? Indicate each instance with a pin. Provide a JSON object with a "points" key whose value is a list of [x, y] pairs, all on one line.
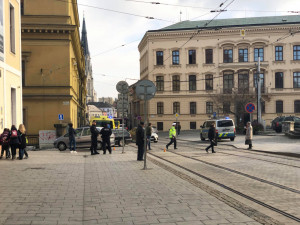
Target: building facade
{"points": [[53, 66], [10, 64], [204, 68]]}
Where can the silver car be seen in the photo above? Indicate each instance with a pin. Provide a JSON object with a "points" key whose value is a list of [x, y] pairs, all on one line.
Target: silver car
{"points": [[82, 138]]}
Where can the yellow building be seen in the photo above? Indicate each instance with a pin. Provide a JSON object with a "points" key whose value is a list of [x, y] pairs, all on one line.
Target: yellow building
{"points": [[10, 64], [53, 66]]}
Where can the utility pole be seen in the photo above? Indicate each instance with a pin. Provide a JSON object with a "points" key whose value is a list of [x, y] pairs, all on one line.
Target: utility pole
{"points": [[258, 92]]}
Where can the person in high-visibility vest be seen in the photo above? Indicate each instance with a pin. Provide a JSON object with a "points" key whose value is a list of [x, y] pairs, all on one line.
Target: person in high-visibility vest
{"points": [[172, 136]]}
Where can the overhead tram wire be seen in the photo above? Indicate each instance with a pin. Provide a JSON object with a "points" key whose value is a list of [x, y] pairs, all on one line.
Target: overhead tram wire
{"points": [[115, 11]]}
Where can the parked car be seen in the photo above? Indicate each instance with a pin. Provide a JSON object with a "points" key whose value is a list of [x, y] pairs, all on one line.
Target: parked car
{"points": [[119, 136], [225, 129], [276, 124], [154, 129], [82, 137]]}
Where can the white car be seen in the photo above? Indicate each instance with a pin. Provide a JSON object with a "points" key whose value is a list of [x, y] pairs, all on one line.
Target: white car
{"points": [[154, 137]]}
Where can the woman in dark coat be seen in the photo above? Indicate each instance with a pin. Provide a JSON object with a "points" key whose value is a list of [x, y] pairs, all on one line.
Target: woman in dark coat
{"points": [[22, 146], [140, 141], [14, 141]]}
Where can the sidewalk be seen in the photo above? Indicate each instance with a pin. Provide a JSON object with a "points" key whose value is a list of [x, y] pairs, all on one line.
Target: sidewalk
{"points": [[53, 187]]}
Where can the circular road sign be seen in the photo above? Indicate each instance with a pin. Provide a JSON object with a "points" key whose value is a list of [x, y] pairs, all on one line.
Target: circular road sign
{"points": [[250, 108], [145, 89], [122, 87]]}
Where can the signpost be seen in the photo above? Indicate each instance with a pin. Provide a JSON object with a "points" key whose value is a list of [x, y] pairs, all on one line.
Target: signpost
{"points": [[250, 108], [145, 90]]}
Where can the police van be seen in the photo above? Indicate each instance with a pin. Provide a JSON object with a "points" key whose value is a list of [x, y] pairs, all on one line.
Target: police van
{"points": [[225, 129]]}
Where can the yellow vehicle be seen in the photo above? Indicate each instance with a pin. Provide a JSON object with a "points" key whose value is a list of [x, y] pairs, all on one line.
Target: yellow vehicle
{"points": [[102, 120]]}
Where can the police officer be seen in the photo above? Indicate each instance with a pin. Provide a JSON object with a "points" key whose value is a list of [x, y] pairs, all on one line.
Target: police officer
{"points": [[94, 136], [105, 133], [172, 136]]}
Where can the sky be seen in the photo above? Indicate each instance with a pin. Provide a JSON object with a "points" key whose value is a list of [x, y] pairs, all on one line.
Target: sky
{"points": [[114, 36]]}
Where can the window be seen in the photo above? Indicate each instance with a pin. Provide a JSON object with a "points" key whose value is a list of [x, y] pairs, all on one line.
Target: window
{"points": [[208, 56], [243, 55], [258, 52], [160, 126], [192, 56], [228, 56], [278, 53], [228, 82], [193, 108], [12, 29], [279, 106], [243, 82], [176, 83], [176, 107], [160, 83], [209, 107], [192, 83], [279, 80], [23, 73], [296, 52], [262, 84], [86, 132], [297, 106], [175, 57], [296, 79], [226, 107], [193, 125], [209, 82], [159, 58], [160, 108]]}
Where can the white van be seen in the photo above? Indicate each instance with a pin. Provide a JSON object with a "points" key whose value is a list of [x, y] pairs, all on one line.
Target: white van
{"points": [[225, 129]]}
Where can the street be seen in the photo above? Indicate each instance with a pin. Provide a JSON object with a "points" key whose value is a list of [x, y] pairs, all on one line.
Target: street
{"points": [[186, 186]]}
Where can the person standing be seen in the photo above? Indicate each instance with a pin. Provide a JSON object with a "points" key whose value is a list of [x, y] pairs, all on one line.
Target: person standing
{"points": [[94, 137], [140, 141], [148, 134], [212, 138], [4, 141], [106, 133], [249, 135], [22, 146], [172, 136], [14, 140], [72, 141], [178, 128]]}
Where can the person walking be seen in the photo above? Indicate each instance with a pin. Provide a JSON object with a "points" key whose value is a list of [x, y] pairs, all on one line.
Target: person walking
{"points": [[14, 140], [172, 136], [212, 138], [94, 137], [148, 134], [105, 134], [72, 141], [22, 146], [4, 141], [249, 135], [140, 141]]}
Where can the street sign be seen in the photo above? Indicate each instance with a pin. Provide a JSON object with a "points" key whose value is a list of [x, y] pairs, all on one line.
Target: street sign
{"points": [[122, 87], [120, 105], [250, 108], [120, 97], [145, 89], [61, 116], [214, 114], [177, 115]]}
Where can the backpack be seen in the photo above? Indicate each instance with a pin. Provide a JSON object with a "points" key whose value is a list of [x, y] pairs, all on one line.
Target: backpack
{"points": [[4, 138], [14, 134]]}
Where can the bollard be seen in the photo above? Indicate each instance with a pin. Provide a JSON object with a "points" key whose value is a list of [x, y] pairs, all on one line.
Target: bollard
{"points": [[165, 150], [114, 148]]}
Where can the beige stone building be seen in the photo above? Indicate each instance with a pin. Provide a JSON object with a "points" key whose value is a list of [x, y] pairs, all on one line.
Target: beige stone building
{"points": [[10, 64], [203, 68]]}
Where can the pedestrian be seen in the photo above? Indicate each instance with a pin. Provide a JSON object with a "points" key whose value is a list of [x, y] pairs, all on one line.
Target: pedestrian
{"points": [[178, 128], [14, 140], [4, 141], [72, 141], [94, 137], [249, 135], [212, 138], [172, 136], [23, 142], [140, 141], [148, 134], [105, 134]]}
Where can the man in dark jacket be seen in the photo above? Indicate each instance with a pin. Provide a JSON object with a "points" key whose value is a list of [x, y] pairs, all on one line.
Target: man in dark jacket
{"points": [[94, 136], [212, 138], [105, 134], [140, 141], [72, 140]]}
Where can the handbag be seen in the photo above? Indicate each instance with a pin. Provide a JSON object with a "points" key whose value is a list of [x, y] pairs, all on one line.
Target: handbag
{"points": [[247, 142]]}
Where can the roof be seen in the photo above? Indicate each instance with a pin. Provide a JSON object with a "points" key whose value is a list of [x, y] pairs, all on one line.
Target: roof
{"points": [[84, 40], [100, 104], [235, 22]]}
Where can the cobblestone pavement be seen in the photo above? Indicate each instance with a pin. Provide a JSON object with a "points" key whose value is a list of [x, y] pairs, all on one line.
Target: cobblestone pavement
{"points": [[54, 187]]}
